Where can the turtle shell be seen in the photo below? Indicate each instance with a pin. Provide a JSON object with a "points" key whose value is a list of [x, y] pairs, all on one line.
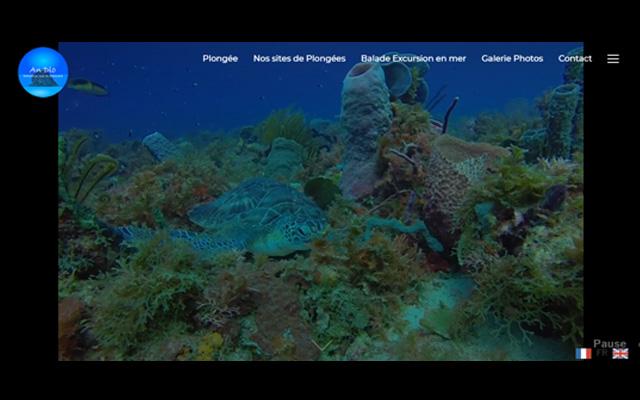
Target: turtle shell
{"points": [[254, 206]]}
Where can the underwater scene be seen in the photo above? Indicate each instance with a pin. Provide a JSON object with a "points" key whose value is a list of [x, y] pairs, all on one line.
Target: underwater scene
{"points": [[320, 202]]}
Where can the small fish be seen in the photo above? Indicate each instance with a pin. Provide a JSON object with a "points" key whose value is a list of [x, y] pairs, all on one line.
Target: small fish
{"points": [[130, 132], [88, 87], [195, 84], [96, 135], [261, 98]]}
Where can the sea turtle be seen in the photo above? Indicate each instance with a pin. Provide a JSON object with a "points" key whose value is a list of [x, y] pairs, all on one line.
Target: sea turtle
{"points": [[260, 215]]}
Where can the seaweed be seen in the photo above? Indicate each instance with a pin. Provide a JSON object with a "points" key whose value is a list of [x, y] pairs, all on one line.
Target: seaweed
{"points": [[153, 289], [163, 193], [286, 123], [526, 256], [91, 172]]}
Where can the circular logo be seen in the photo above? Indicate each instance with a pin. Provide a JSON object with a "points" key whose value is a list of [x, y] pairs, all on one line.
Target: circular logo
{"points": [[43, 72]]}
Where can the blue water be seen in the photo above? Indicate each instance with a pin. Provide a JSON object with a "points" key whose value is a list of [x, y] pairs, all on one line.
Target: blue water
{"points": [[166, 86]]}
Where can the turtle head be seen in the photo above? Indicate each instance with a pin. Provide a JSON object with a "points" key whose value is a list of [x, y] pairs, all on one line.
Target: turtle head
{"points": [[289, 234]]}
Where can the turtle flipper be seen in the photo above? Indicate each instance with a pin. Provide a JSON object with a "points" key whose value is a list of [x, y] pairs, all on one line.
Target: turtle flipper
{"points": [[133, 233], [207, 243]]}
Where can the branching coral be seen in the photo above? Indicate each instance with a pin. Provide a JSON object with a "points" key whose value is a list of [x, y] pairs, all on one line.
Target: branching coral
{"points": [[224, 300], [215, 315]]}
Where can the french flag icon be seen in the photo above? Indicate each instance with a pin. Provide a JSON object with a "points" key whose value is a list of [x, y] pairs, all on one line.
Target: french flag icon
{"points": [[583, 354]]}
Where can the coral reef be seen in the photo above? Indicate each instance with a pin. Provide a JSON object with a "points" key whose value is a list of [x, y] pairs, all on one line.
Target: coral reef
{"points": [[84, 246], [394, 224], [155, 288], [418, 245], [131, 155], [281, 332], [403, 154], [161, 148], [383, 262], [515, 185], [454, 167], [227, 297], [366, 114], [409, 120], [522, 238], [163, 193]]}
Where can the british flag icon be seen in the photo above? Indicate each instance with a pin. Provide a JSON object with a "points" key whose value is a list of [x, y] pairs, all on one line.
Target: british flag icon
{"points": [[620, 354]]}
